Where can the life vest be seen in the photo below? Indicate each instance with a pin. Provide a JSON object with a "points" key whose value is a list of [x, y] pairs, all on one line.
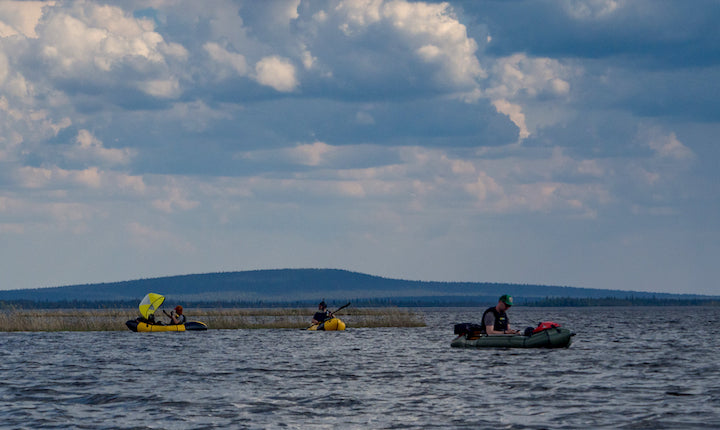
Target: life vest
{"points": [[501, 320], [545, 325], [321, 316]]}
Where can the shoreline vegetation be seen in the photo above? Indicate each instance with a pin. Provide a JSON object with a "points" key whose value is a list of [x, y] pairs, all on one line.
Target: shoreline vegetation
{"points": [[14, 320]]}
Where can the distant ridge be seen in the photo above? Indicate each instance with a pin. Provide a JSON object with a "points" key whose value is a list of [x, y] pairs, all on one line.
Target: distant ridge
{"points": [[297, 285]]}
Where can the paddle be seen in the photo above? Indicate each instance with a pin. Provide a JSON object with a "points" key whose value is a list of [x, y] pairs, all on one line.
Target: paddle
{"points": [[340, 308]]}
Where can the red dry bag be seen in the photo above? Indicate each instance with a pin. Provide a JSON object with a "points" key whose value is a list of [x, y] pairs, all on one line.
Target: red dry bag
{"points": [[545, 325]]}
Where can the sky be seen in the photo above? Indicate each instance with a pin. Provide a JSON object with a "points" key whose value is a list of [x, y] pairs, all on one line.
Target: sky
{"points": [[563, 142]]}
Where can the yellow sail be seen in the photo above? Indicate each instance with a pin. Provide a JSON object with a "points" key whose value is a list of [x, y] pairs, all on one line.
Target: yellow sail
{"points": [[150, 304]]}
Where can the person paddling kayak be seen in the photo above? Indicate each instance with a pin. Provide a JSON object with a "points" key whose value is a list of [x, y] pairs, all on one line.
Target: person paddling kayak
{"points": [[322, 314], [495, 320], [176, 316]]}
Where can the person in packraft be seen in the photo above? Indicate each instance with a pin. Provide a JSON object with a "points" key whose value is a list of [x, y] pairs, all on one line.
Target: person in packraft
{"points": [[322, 315], [495, 319], [176, 316]]}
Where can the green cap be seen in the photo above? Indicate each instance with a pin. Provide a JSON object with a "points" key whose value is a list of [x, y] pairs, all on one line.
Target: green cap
{"points": [[507, 299]]}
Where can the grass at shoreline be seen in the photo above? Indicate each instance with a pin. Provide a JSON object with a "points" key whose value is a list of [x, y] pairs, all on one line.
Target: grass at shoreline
{"points": [[114, 319]]}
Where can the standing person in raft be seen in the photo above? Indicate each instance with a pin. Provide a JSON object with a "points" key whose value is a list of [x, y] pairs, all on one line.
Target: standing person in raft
{"points": [[495, 320], [176, 316], [322, 314]]}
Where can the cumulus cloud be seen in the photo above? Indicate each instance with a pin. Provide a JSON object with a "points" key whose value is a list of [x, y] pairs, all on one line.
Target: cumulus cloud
{"points": [[514, 112], [149, 238], [234, 60], [407, 110], [483, 187], [89, 41], [429, 32], [21, 17], [174, 200], [591, 9], [518, 80], [276, 72], [444, 40], [312, 154], [668, 146], [92, 177], [90, 149], [161, 88]]}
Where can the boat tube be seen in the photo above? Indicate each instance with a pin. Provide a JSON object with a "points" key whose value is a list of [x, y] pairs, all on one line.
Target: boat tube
{"points": [[142, 326], [546, 335], [333, 324]]}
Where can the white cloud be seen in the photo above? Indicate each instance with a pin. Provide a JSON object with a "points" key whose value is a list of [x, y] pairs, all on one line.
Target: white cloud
{"points": [[4, 68], [483, 187], [55, 177], [668, 146], [21, 17], [518, 80], [442, 39], [591, 9], [514, 112], [520, 75], [276, 72], [284, 11], [221, 55], [88, 148], [312, 154], [307, 59], [89, 40], [149, 238], [429, 30], [359, 14], [161, 88], [174, 199], [365, 118]]}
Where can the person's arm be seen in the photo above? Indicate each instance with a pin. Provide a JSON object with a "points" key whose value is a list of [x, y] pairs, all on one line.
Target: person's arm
{"points": [[489, 323], [173, 317], [490, 329]]}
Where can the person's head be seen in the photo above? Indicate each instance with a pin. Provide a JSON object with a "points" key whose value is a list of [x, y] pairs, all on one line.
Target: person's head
{"points": [[322, 306], [178, 310], [505, 301]]}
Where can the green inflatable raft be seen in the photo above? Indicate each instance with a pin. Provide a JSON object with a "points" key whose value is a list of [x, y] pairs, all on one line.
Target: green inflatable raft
{"points": [[546, 335]]}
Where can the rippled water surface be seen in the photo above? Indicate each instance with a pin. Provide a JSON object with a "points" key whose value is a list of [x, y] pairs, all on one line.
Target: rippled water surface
{"points": [[627, 368]]}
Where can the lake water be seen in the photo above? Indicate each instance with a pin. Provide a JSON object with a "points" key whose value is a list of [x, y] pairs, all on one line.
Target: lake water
{"points": [[633, 368]]}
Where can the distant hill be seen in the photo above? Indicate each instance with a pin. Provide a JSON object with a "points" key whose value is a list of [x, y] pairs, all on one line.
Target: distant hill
{"points": [[310, 285]]}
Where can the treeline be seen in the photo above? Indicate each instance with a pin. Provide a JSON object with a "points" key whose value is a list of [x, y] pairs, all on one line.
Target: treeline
{"points": [[618, 301], [132, 304], [383, 302]]}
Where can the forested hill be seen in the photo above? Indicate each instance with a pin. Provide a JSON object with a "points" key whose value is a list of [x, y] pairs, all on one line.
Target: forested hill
{"points": [[299, 285]]}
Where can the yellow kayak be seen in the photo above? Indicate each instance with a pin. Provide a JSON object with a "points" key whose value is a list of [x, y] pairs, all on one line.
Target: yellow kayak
{"points": [[140, 326], [333, 324]]}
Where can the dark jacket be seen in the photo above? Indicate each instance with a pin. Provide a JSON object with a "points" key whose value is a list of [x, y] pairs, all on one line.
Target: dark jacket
{"points": [[501, 320], [321, 316]]}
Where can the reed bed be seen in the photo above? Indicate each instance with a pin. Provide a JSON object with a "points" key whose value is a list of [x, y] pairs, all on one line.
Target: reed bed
{"points": [[114, 319]]}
